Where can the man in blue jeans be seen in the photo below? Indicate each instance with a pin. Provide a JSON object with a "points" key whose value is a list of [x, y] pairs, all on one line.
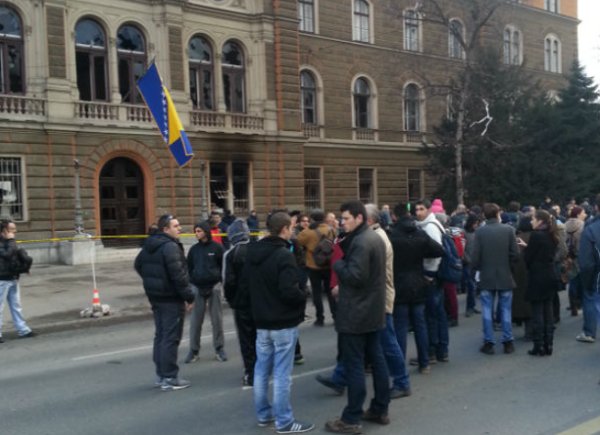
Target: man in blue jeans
{"points": [[277, 304], [495, 250], [589, 275]]}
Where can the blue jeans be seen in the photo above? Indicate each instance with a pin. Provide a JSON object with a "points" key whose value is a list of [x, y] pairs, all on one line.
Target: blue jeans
{"points": [[505, 308], [274, 355], [403, 314], [437, 321], [13, 297], [354, 349], [591, 309], [394, 357]]}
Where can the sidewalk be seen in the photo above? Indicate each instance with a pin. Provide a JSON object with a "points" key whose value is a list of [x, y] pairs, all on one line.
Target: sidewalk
{"points": [[52, 296]]}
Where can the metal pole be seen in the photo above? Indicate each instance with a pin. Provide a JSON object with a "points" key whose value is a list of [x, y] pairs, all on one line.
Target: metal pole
{"points": [[203, 202], [78, 212]]}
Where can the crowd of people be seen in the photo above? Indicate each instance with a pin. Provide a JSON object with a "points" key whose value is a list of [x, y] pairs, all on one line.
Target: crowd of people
{"points": [[384, 273]]}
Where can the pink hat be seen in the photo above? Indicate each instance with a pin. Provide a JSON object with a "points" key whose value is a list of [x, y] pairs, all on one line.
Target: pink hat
{"points": [[437, 206]]}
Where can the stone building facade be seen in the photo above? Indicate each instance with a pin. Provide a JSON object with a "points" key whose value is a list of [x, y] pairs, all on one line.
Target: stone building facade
{"points": [[296, 103]]}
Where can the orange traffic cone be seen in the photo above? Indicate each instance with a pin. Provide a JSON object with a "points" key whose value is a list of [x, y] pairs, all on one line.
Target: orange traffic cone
{"points": [[96, 299]]}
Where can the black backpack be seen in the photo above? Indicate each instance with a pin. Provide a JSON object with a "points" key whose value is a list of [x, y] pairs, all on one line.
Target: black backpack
{"points": [[323, 251]]}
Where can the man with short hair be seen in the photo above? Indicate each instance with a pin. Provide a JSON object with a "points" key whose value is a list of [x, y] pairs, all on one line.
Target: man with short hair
{"points": [[277, 304], [9, 278], [360, 318], [589, 274], [162, 266], [494, 252]]}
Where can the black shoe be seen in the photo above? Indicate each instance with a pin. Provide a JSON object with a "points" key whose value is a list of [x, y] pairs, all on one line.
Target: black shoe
{"points": [[28, 335], [371, 416], [487, 348], [328, 382], [509, 347], [536, 351], [398, 393], [548, 349], [443, 358], [453, 323]]}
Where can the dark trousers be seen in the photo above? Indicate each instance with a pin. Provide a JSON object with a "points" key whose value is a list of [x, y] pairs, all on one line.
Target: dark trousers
{"points": [[542, 322], [246, 331], [168, 322], [319, 281], [354, 349]]}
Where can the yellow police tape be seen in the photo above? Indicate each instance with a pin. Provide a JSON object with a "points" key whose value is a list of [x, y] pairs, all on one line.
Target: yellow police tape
{"points": [[129, 236]]}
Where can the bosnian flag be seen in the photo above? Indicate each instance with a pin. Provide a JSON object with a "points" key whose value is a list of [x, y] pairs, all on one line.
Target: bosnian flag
{"points": [[163, 111]]}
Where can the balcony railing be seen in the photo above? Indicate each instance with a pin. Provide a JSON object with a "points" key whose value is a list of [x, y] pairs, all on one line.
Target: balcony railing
{"points": [[311, 130], [414, 136], [365, 134], [137, 113], [236, 121], [12, 104], [96, 110], [201, 118], [247, 122]]}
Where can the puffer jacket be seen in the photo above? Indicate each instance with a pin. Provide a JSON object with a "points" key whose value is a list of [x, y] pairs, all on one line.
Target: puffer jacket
{"points": [[162, 266], [205, 261], [8, 252]]}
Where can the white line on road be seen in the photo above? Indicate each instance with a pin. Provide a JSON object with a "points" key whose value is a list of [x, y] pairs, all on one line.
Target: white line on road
{"points": [[134, 349]]}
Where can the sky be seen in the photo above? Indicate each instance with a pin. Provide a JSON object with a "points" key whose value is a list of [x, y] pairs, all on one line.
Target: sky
{"points": [[589, 37]]}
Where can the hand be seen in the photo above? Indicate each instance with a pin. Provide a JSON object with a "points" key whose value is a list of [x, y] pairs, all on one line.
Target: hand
{"points": [[8, 234], [189, 307], [521, 242], [335, 292]]}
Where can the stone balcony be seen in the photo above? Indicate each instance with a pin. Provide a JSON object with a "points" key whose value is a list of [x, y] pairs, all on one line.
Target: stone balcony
{"points": [[16, 108]]}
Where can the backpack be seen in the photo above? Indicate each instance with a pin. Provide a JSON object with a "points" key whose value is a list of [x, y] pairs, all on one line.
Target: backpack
{"points": [[323, 251], [451, 265]]}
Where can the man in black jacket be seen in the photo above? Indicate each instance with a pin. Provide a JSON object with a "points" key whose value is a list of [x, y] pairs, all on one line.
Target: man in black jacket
{"points": [[360, 317], [205, 261], [161, 264], [277, 304]]}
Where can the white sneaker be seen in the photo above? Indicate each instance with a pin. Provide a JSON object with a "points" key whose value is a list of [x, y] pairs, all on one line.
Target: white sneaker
{"points": [[585, 338]]}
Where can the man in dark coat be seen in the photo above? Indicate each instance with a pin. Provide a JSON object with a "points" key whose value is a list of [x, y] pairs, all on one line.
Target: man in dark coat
{"points": [[360, 317], [589, 272], [494, 253], [161, 264]]}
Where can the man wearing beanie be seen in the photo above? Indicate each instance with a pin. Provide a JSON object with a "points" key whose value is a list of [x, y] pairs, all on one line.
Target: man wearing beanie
{"points": [[204, 264]]}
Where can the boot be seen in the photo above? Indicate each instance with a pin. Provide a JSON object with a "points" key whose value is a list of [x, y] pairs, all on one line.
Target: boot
{"points": [[537, 350], [548, 349]]}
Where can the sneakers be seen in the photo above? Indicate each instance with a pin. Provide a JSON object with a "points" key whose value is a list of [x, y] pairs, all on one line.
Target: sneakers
{"points": [[266, 423], [221, 355], [247, 382], [509, 347], [424, 370], [28, 335], [328, 382], [340, 426], [398, 393], [585, 338], [191, 357], [487, 348], [382, 419], [298, 360], [296, 427], [415, 361], [158, 382], [173, 384]]}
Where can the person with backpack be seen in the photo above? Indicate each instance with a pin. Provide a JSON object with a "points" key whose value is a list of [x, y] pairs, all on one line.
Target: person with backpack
{"points": [[495, 251], [573, 229], [317, 241]]}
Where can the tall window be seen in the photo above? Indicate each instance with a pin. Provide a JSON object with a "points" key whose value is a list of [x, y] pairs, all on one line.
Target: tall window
{"points": [[233, 77], [412, 108], [91, 61], [230, 186], [411, 30], [512, 46], [360, 29], [362, 103], [455, 35], [312, 188], [552, 54], [131, 50], [366, 185], [201, 73], [308, 89], [306, 15], [11, 188], [415, 184], [551, 5], [12, 68]]}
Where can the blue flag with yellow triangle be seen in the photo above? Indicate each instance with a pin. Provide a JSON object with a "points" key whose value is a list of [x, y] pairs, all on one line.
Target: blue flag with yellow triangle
{"points": [[163, 111]]}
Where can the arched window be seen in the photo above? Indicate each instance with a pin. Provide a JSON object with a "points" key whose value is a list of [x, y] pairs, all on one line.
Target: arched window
{"points": [[412, 108], [412, 30], [131, 50], [308, 89], [552, 54], [512, 46], [201, 73], [362, 103], [12, 68], [90, 60], [360, 30], [456, 33], [233, 77]]}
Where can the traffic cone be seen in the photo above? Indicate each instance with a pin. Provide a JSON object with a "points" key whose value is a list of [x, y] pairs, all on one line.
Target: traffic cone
{"points": [[96, 299]]}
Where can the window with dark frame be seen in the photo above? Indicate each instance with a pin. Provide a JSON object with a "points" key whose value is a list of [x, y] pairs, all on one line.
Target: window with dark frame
{"points": [[201, 73], [455, 34], [131, 51], [11, 189], [12, 63], [366, 185], [551, 5], [233, 78], [312, 188], [240, 180], [308, 90], [552, 54], [361, 21], [306, 16], [234, 178], [91, 61], [362, 102], [412, 108], [415, 184], [411, 30], [512, 46]]}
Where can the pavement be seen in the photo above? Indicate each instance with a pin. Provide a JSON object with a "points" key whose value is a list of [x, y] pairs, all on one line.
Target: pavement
{"points": [[53, 296]]}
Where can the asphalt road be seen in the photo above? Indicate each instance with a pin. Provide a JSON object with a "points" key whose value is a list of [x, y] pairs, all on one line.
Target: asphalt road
{"points": [[100, 381]]}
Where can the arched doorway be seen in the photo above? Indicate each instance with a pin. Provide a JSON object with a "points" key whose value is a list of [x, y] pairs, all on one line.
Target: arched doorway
{"points": [[121, 187]]}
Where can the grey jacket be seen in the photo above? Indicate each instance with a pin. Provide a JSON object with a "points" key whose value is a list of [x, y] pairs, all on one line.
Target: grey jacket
{"points": [[494, 251]]}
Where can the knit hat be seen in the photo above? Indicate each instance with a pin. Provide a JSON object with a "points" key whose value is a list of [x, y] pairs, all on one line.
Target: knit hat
{"points": [[437, 206], [238, 231]]}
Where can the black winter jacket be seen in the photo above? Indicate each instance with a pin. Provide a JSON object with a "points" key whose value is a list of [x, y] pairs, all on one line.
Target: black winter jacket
{"points": [[361, 277], [411, 245], [8, 253], [205, 261], [272, 276], [543, 281], [235, 287], [161, 264]]}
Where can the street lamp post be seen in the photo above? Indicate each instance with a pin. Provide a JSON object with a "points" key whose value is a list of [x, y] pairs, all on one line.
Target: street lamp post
{"points": [[78, 213]]}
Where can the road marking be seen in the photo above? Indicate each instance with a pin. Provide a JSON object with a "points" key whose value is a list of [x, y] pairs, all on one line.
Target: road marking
{"points": [[135, 349], [589, 427]]}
